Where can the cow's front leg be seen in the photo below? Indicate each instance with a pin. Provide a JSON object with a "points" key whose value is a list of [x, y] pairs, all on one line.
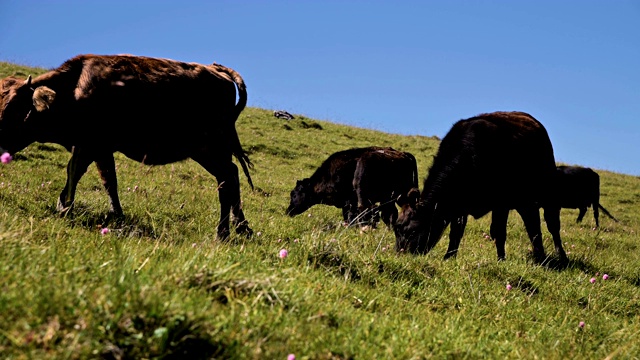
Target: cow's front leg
{"points": [[107, 170], [455, 234], [498, 230], [531, 217], [552, 218], [76, 168]]}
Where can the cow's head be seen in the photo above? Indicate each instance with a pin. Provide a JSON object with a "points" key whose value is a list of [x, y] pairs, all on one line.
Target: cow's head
{"points": [[419, 225], [301, 197], [19, 104]]}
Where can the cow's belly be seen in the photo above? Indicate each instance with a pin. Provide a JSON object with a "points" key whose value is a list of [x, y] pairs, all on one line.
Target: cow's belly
{"points": [[154, 156]]}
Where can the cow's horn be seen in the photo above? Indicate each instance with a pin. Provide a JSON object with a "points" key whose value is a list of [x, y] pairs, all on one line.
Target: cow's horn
{"points": [[28, 81]]}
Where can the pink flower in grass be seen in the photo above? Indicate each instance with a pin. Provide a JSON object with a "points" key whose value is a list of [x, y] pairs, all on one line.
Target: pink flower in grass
{"points": [[605, 277], [104, 231], [592, 280], [291, 357], [509, 287], [6, 158], [283, 253], [581, 324]]}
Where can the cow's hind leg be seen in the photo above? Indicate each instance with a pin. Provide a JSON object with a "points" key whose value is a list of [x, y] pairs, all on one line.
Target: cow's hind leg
{"points": [[455, 234], [76, 168], [583, 210], [498, 231], [107, 170], [226, 172], [531, 218]]}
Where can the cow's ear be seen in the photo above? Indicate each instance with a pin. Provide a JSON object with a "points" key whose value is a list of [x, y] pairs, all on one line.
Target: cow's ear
{"points": [[411, 198], [43, 98]]}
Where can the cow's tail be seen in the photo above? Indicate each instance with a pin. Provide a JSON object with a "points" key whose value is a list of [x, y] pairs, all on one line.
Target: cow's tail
{"points": [[607, 213], [237, 150]]}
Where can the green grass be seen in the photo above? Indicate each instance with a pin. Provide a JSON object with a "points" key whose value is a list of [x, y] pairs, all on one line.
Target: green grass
{"points": [[160, 285]]}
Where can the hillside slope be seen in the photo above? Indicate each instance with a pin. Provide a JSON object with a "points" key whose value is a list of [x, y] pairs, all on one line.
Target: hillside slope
{"points": [[160, 285]]}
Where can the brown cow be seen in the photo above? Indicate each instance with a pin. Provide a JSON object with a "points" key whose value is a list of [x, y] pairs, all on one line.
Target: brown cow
{"points": [[489, 163], [155, 111], [579, 188], [355, 180]]}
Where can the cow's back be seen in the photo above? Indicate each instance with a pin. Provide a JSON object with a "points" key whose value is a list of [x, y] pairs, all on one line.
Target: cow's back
{"points": [[135, 94], [385, 173], [500, 159]]}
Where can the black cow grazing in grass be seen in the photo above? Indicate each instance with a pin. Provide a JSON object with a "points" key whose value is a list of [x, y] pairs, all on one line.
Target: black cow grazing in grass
{"points": [[491, 162], [155, 111], [355, 180], [579, 188]]}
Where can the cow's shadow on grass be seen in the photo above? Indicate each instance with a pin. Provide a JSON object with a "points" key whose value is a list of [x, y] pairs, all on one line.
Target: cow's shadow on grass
{"points": [[126, 225], [553, 263]]}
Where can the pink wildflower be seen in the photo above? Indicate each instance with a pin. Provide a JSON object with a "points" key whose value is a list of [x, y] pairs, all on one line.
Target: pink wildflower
{"points": [[593, 280], [509, 287], [283, 253], [104, 231], [605, 277], [6, 158], [291, 357], [581, 324]]}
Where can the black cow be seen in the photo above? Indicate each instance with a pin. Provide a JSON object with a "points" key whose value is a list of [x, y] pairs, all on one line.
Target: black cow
{"points": [[355, 180], [579, 188], [491, 162], [155, 111]]}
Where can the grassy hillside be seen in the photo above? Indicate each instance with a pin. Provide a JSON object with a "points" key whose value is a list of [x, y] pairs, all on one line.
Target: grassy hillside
{"points": [[159, 285]]}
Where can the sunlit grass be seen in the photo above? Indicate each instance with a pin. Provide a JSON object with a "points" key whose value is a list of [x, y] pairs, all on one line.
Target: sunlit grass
{"points": [[160, 284]]}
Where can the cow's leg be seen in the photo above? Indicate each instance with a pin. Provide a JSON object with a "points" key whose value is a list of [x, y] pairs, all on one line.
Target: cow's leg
{"points": [[552, 218], [583, 210], [596, 213], [107, 170], [226, 172], [498, 231], [389, 214], [77, 166], [531, 217], [455, 234]]}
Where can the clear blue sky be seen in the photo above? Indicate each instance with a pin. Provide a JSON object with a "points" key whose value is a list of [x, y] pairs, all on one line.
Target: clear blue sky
{"points": [[407, 67]]}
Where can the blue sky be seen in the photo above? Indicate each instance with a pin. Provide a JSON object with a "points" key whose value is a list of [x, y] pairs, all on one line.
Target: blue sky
{"points": [[407, 67]]}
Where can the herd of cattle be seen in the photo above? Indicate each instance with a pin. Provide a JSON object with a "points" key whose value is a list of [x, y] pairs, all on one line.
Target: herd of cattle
{"points": [[95, 105]]}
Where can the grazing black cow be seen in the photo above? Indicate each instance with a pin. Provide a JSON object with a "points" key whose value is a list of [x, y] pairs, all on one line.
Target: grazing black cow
{"points": [[155, 111], [491, 162], [355, 180], [579, 188]]}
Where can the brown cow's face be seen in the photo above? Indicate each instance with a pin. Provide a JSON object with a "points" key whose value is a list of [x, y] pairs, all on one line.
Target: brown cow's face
{"points": [[18, 105], [419, 226], [301, 198], [15, 101]]}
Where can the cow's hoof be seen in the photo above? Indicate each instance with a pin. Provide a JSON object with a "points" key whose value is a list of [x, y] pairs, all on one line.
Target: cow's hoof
{"points": [[244, 229], [450, 254], [223, 234], [62, 209]]}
